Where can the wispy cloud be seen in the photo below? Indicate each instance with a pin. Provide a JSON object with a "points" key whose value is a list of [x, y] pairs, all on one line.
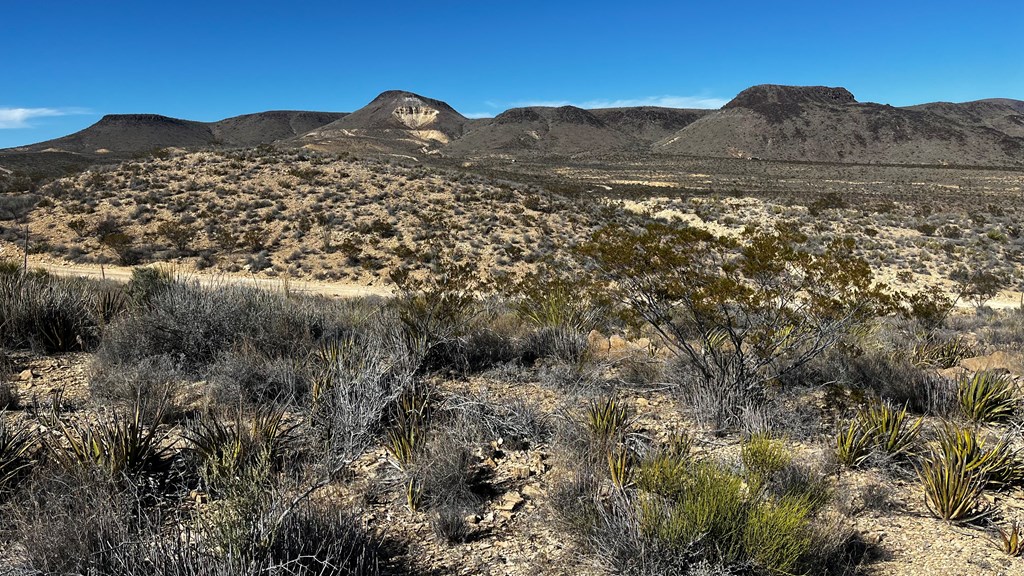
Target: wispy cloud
{"points": [[479, 114], [22, 117], [667, 101]]}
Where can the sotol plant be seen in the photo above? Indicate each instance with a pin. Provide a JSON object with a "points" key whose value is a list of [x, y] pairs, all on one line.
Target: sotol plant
{"points": [[988, 397]]}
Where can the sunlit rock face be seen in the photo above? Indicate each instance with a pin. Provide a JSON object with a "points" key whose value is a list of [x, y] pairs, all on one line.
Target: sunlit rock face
{"points": [[414, 114]]}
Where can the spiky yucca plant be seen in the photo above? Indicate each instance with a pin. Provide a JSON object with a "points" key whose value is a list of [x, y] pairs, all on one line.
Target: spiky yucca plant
{"points": [[952, 492], [226, 447], [944, 354], [407, 435], [987, 397], [1011, 539], [889, 428], [607, 418], [621, 466], [853, 445], [122, 446], [999, 464], [15, 445]]}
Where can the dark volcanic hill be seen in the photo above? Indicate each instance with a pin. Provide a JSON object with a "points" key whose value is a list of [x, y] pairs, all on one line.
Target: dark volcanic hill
{"points": [[817, 123], [648, 123], [394, 119], [561, 131], [1017, 105], [269, 127], [129, 133], [772, 122], [980, 114], [119, 134]]}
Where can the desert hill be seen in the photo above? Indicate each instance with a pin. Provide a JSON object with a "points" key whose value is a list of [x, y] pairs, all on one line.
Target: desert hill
{"points": [[270, 127], [120, 134], [1017, 105], [565, 130], [993, 114], [648, 123], [824, 124], [394, 119], [130, 133], [772, 122]]}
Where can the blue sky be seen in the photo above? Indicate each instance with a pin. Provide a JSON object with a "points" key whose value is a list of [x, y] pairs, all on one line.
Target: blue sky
{"points": [[63, 64]]}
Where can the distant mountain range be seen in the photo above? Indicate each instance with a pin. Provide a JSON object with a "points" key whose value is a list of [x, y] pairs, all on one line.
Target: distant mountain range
{"points": [[802, 123]]}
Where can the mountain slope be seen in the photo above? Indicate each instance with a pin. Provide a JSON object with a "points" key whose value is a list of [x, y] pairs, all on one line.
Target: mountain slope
{"points": [[129, 133], [817, 123], [269, 127], [565, 130], [1017, 105], [395, 119], [135, 133], [980, 114], [648, 123]]}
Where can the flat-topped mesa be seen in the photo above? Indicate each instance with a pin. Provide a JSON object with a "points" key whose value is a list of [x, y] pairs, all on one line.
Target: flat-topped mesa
{"points": [[777, 103]]}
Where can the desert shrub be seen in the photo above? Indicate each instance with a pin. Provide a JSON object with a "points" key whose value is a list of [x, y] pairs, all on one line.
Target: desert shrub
{"points": [[196, 325], [76, 531], [46, 314], [229, 446], [952, 491], [763, 457], [151, 377], [121, 447], [316, 539], [245, 372], [449, 470], [988, 397], [146, 282], [877, 428], [698, 510], [979, 286], [1004, 329], [16, 445], [562, 311], [894, 378], [740, 313], [358, 383], [262, 534], [438, 313], [930, 306], [449, 524], [998, 464], [517, 422], [717, 405]]}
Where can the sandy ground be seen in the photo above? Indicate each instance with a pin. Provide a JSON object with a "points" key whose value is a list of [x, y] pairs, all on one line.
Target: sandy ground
{"points": [[123, 274]]}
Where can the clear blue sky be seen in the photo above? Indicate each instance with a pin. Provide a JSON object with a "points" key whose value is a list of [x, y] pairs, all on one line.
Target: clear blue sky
{"points": [[63, 64]]}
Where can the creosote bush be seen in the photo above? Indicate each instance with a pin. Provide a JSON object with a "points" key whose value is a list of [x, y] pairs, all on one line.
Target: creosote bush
{"points": [[743, 312]]}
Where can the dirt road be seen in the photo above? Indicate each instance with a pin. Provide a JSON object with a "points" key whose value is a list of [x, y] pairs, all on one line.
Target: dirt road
{"points": [[123, 274], [1005, 300]]}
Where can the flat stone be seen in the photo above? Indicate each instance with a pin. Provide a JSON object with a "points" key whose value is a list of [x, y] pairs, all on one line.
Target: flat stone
{"points": [[510, 501], [532, 492], [999, 361]]}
